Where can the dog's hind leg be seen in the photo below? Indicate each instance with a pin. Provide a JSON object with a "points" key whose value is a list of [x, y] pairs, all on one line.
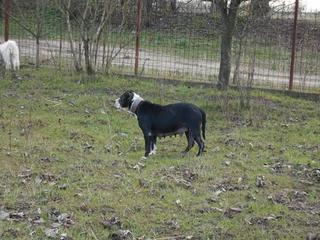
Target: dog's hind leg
{"points": [[200, 143], [190, 140], [153, 145]]}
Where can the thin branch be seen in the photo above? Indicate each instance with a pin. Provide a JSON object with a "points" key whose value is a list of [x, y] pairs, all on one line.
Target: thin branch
{"points": [[23, 26], [65, 9]]}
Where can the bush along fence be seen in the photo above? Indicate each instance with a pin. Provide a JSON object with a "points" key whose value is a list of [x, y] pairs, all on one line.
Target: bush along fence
{"points": [[271, 46]]}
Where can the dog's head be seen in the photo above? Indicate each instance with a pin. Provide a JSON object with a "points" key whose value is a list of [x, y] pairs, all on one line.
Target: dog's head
{"points": [[128, 100]]}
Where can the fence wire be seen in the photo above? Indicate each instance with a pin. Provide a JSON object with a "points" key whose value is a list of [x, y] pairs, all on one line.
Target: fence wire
{"points": [[181, 43]]}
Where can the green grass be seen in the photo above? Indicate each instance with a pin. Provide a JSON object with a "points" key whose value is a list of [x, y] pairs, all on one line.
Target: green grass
{"points": [[49, 120]]}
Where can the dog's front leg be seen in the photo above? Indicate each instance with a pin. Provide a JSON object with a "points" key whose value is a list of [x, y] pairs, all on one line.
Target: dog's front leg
{"points": [[147, 142], [146, 129]]}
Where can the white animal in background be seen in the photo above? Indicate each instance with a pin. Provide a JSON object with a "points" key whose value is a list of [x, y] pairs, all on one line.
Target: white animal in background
{"points": [[10, 55]]}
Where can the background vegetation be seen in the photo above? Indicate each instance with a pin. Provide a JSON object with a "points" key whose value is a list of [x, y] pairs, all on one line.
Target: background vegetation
{"points": [[179, 39]]}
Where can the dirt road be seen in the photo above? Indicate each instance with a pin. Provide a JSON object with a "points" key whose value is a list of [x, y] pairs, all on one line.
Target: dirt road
{"points": [[165, 65]]}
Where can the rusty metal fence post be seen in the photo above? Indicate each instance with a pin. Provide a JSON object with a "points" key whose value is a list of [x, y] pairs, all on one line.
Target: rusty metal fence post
{"points": [[138, 31], [293, 47], [6, 13]]}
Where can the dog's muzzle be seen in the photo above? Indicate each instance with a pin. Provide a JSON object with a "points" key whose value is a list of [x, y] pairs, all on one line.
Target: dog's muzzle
{"points": [[117, 104]]}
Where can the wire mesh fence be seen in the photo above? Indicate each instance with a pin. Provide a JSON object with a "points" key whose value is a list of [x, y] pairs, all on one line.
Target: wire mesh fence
{"points": [[181, 42]]}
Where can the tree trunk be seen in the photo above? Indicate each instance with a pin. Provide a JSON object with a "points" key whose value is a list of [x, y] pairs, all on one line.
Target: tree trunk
{"points": [[225, 62], [173, 5], [87, 60], [60, 43], [237, 67], [260, 8], [38, 33], [147, 5], [228, 15], [213, 7], [77, 65], [37, 52]]}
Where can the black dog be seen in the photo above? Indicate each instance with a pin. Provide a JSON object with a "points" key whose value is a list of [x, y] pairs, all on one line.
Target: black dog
{"points": [[160, 121]]}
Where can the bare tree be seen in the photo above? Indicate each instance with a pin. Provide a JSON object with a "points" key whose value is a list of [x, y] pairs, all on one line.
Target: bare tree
{"points": [[173, 5], [76, 61], [90, 18], [35, 12], [260, 8], [228, 11], [148, 9]]}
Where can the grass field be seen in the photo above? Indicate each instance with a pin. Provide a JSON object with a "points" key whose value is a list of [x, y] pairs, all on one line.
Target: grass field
{"points": [[71, 164]]}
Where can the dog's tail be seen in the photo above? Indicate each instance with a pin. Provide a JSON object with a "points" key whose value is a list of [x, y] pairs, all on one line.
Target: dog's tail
{"points": [[204, 121]]}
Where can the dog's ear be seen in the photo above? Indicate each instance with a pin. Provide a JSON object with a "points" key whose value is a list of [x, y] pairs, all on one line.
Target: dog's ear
{"points": [[130, 92], [129, 95]]}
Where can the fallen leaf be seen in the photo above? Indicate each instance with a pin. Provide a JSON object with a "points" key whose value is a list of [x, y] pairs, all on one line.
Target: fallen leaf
{"points": [[3, 215], [111, 223], [230, 212], [178, 203], [51, 232], [17, 215], [260, 181], [122, 235], [313, 236], [38, 221]]}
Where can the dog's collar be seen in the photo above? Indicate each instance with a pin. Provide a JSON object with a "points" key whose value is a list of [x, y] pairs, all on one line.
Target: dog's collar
{"points": [[135, 105]]}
